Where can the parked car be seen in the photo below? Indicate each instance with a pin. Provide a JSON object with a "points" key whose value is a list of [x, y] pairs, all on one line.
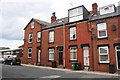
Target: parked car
{"points": [[8, 61], [1, 59], [16, 61], [12, 61]]}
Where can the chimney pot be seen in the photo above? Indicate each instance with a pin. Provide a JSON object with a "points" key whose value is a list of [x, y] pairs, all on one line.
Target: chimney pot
{"points": [[53, 17], [94, 8]]}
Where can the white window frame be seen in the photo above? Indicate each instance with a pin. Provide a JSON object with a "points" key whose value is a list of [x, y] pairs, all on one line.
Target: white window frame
{"points": [[51, 52], [29, 53], [51, 36], [100, 27], [72, 52], [71, 33], [29, 37], [75, 14], [116, 55], [102, 54], [32, 25], [107, 9], [38, 36]]}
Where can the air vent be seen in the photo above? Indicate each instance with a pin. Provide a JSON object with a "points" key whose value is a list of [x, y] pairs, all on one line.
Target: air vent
{"points": [[93, 35], [113, 27]]}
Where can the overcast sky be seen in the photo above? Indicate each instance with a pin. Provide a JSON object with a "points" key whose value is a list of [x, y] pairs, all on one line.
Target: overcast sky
{"points": [[15, 14]]}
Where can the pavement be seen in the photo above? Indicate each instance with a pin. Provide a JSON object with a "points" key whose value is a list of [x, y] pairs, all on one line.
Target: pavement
{"points": [[77, 71]]}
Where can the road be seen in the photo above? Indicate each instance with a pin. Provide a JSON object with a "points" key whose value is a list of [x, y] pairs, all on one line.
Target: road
{"points": [[31, 73]]}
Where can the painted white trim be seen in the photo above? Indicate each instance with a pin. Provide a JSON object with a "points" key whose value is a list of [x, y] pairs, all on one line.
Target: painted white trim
{"points": [[39, 56], [51, 53], [101, 28], [70, 53], [86, 48], [104, 54], [29, 52], [29, 37], [116, 57]]}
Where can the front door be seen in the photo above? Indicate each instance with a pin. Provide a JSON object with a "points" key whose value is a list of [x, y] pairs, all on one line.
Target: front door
{"points": [[118, 56], [39, 56], [86, 56], [118, 59], [60, 52]]}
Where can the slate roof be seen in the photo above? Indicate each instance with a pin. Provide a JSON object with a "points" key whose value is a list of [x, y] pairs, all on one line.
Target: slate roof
{"points": [[58, 22], [41, 22], [98, 16]]}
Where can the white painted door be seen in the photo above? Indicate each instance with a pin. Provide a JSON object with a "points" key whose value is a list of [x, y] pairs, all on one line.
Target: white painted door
{"points": [[39, 56], [86, 56], [118, 57]]}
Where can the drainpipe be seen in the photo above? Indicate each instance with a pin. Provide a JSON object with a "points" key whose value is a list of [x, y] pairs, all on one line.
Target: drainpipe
{"points": [[63, 44], [92, 42]]}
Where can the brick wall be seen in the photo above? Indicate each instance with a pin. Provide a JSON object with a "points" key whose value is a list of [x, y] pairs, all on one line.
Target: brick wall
{"points": [[34, 43], [112, 38], [58, 41]]}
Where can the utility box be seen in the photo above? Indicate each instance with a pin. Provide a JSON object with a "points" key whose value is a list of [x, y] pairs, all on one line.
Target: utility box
{"points": [[73, 65], [77, 66], [54, 64], [111, 68]]}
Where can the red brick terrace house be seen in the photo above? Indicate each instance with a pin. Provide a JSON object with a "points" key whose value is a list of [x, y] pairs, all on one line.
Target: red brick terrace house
{"points": [[52, 43], [64, 41], [105, 31], [32, 41], [76, 38]]}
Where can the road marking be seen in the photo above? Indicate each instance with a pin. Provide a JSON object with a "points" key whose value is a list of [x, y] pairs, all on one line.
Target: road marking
{"points": [[52, 76]]}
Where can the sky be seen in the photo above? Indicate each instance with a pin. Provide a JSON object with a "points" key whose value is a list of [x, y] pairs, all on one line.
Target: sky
{"points": [[16, 14]]}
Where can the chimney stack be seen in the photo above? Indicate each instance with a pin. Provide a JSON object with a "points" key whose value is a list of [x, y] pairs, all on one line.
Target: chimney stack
{"points": [[53, 17], [94, 8]]}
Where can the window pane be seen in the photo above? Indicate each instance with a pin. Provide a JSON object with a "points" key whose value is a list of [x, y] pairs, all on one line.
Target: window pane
{"points": [[30, 50], [107, 9], [51, 36], [104, 58], [101, 26], [103, 50], [30, 37], [72, 33], [32, 25], [51, 54], [38, 36], [30, 55], [118, 48], [73, 53], [102, 33]]}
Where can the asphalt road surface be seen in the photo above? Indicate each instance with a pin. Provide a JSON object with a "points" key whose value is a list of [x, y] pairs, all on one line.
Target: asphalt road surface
{"points": [[31, 73]]}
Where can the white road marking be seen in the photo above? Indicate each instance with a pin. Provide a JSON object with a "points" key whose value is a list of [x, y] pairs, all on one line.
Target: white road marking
{"points": [[52, 76]]}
